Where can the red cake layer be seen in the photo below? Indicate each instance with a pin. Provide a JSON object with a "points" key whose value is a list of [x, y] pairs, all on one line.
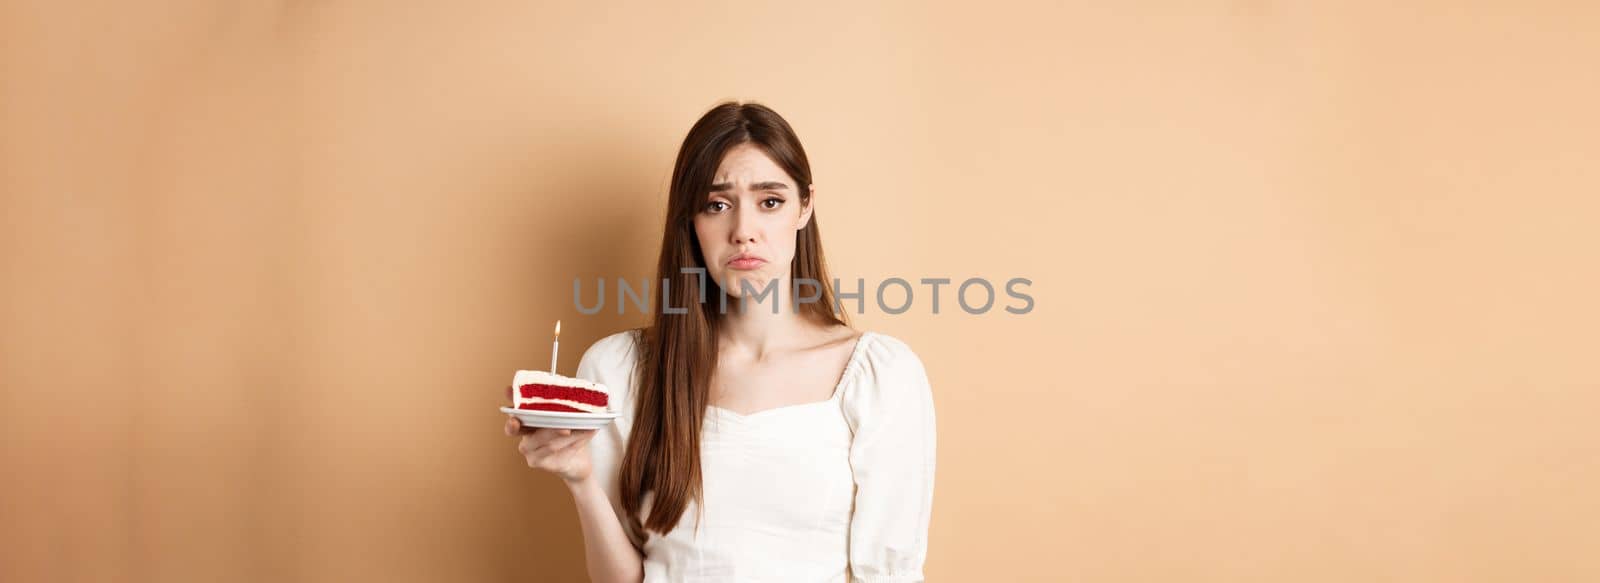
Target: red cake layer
{"points": [[575, 394], [549, 407]]}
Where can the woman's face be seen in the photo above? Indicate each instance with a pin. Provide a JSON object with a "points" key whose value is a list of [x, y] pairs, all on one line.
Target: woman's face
{"points": [[747, 228]]}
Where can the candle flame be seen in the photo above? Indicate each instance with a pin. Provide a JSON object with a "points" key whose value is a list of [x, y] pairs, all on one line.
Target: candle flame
{"points": [[558, 328]]}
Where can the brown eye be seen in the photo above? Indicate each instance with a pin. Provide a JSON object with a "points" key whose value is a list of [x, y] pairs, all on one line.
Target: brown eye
{"points": [[777, 202], [711, 207]]}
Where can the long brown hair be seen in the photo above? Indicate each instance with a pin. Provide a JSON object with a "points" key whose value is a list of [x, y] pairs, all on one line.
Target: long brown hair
{"points": [[678, 351]]}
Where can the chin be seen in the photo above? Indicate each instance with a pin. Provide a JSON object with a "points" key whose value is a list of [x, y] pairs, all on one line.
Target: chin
{"points": [[735, 287]]}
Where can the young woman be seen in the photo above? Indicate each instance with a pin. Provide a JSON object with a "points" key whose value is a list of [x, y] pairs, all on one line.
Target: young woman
{"points": [[756, 444]]}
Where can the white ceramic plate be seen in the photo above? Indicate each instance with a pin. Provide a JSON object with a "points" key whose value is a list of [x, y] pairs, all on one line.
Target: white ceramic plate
{"points": [[562, 419]]}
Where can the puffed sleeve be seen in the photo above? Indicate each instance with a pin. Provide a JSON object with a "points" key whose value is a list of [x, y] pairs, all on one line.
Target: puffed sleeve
{"points": [[610, 361], [890, 412]]}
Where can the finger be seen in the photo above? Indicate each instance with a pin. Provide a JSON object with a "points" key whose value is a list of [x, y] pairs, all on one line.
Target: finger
{"points": [[518, 428], [567, 441], [540, 448], [536, 435], [555, 444], [559, 443], [512, 425], [530, 444], [581, 438]]}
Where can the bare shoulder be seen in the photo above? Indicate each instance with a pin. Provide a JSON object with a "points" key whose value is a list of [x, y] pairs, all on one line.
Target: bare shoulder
{"points": [[837, 336]]}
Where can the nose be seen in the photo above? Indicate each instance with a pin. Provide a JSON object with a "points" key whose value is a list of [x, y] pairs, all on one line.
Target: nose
{"points": [[744, 226]]}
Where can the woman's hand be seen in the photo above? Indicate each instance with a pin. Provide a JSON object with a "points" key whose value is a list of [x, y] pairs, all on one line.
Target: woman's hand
{"points": [[563, 452]]}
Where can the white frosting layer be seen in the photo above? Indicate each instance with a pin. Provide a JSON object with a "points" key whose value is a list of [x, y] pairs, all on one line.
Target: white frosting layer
{"points": [[539, 377]]}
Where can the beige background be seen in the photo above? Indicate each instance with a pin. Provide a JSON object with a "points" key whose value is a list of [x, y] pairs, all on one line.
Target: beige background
{"points": [[1315, 285]]}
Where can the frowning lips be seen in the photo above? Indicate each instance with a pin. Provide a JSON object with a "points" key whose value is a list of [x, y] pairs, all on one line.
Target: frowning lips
{"points": [[746, 261]]}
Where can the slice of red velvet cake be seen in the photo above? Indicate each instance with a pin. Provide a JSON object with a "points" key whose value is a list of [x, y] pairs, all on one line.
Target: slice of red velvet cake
{"points": [[538, 390]]}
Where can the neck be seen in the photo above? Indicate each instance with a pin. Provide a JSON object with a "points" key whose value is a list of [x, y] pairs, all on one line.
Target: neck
{"points": [[755, 330]]}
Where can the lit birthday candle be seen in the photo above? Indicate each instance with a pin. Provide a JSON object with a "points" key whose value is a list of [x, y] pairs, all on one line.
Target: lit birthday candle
{"points": [[555, 347]]}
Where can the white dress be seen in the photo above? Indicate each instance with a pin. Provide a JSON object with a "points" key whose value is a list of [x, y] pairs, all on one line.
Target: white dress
{"points": [[835, 490]]}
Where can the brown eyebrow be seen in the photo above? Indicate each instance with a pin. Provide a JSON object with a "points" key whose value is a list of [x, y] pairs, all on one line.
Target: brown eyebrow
{"points": [[724, 186]]}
